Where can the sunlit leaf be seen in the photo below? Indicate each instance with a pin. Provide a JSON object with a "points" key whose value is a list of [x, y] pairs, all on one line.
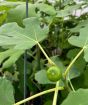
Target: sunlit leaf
{"points": [[22, 38]]}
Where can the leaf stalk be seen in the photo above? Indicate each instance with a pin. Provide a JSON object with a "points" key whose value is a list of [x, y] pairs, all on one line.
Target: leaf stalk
{"points": [[55, 94], [72, 62], [37, 95]]}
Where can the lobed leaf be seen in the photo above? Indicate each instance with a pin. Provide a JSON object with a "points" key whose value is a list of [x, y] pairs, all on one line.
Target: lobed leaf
{"points": [[82, 39], [22, 38]]}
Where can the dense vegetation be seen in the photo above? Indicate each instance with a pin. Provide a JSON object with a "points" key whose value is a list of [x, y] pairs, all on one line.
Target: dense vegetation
{"points": [[56, 39]]}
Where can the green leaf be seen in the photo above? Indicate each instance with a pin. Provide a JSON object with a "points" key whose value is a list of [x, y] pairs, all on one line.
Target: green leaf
{"points": [[18, 14], [58, 62], [4, 55], [2, 17], [67, 2], [85, 77], [67, 11], [9, 57], [41, 77], [6, 92], [46, 8], [79, 64], [80, 97], [22, 38], [12, 59], [81, 25], [73, 73], [49, 102], [81, 40], [72, 53], [10, 4]]}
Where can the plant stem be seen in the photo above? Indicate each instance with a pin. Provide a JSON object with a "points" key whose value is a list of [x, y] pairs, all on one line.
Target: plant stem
{"points": [[37, 95], [72, 62], [55, 94], [71, 86], [49, 60]]}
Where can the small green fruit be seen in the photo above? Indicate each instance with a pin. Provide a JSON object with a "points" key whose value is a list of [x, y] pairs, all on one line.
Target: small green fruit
{"points": [[54, 73]]}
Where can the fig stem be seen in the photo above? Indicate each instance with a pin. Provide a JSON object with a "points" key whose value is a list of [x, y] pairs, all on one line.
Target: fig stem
{"points": [[55, 94], [73, 61], [49, 60], [71, 86], [37, 95]]}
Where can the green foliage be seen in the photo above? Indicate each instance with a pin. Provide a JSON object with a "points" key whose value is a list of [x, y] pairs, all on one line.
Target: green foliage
{"points": [[11, 55], [48, 102], [22, 38], [6, 92], [12, 59], [81, 41], [79, 65], [9, 4], [79, 97], [34, 10], [41, 77], [18, 14], [67, 10], [46, 8], [31, 33], [52, 36]]}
